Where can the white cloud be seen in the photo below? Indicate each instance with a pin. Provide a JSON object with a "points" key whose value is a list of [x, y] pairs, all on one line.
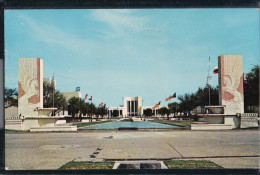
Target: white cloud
{"points": [[53, 35], [120, 21]]}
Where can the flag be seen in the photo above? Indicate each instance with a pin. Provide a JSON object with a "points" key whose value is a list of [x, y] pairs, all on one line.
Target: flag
{"points": [[173, 96], [208, 78], [52, 81], [90, 99], [215, 70], [157, 105], [169, 98], [77, 89], [86, 97], [101, 104]]}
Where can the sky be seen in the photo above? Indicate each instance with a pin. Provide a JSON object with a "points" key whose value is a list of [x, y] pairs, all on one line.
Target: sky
{"points": [[111, 54]]}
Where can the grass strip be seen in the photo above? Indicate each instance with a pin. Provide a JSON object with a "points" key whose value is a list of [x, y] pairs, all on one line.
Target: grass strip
{"points": [[177, 123], [91, 123], [87, 165], [9, 131], [191, 164]]}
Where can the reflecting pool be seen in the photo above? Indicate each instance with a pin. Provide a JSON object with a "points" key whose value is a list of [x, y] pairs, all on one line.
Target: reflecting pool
{"points": [[136, 124]]}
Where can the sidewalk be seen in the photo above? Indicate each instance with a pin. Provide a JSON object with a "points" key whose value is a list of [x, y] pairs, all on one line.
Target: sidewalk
{"points": [[229, 149]]}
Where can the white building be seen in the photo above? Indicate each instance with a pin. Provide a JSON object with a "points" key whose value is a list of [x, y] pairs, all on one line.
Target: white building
{"points": [[67, 96], [132, 107]]}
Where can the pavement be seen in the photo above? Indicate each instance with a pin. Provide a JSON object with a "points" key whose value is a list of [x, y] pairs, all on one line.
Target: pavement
{"points": [[38, 151]]}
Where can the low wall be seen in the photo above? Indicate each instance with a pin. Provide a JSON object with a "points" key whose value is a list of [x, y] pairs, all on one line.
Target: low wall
{"points": [[211, 127], [61, 121], [249, 120], [29, 123], [13, 124], [232, 120]]}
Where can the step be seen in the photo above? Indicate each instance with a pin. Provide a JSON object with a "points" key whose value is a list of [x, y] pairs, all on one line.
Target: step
{"points": [[54, 128], [211, 127]]}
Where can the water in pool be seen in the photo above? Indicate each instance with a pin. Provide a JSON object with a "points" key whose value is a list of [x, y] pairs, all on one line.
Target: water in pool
{"points": [[137, 124]]}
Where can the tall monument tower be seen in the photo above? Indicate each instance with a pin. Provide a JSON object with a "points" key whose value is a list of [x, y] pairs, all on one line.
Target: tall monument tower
{"points": [[231, 94], [30, 86]]}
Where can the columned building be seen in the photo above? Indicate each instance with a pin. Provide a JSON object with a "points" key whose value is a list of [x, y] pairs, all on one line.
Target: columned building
{"points": [[132, 107]]}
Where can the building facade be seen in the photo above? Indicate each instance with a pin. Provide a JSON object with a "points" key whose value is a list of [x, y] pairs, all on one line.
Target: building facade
{"points": [[132, 107], [67, 96]]}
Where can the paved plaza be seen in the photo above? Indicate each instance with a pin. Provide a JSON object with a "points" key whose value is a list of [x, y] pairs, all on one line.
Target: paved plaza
{"points": [[229, 149]]}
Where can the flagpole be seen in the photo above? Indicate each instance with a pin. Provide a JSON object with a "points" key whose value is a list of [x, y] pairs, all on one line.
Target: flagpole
{"points": [[53, 90], [209, 75]]}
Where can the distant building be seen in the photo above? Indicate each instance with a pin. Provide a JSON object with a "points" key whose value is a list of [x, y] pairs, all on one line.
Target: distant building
{"points": [[69, 95], [132, 107]]}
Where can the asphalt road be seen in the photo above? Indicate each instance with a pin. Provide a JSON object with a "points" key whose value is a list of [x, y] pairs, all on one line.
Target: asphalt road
{"points": [[36, 151]]}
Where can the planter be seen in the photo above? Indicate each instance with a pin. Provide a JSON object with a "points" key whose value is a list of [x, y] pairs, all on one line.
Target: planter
{"points": [[216, 109]]}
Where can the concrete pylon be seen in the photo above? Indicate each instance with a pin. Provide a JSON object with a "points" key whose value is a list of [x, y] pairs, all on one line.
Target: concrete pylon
{"points": [[30, 86], [231, 94]]}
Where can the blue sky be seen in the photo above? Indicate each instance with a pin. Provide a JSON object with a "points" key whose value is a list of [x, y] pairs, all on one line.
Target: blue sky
{"points": [[110, 54]]}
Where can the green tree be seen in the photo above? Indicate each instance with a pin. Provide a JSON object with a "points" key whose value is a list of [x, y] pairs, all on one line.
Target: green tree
{"points": [[82, 107], [102, 111], [200, 98], [88, 110], [173, 107], [115, 113], [187, 103], [85, 109], [92, 111], [251, 88], [164, 111], [148, 112], [97, 113], [11, 97], [74, 105], [49, 92]]}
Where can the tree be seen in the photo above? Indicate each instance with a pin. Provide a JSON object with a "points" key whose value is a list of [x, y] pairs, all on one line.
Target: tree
{"points": [[115, 113], [82, 107], [164, 111], [74, 105], [85, 108], [186, 104], [251, 87], [199, 98], [49, 92], [91, 110], [148, 112], [102, 111], [173, 107], [202, 96], [11, 97], [97, 113]]}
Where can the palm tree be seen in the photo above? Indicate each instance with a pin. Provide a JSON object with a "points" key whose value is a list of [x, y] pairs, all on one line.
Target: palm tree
{"points": [[60, 101], [164, 111], [173, 107]]}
